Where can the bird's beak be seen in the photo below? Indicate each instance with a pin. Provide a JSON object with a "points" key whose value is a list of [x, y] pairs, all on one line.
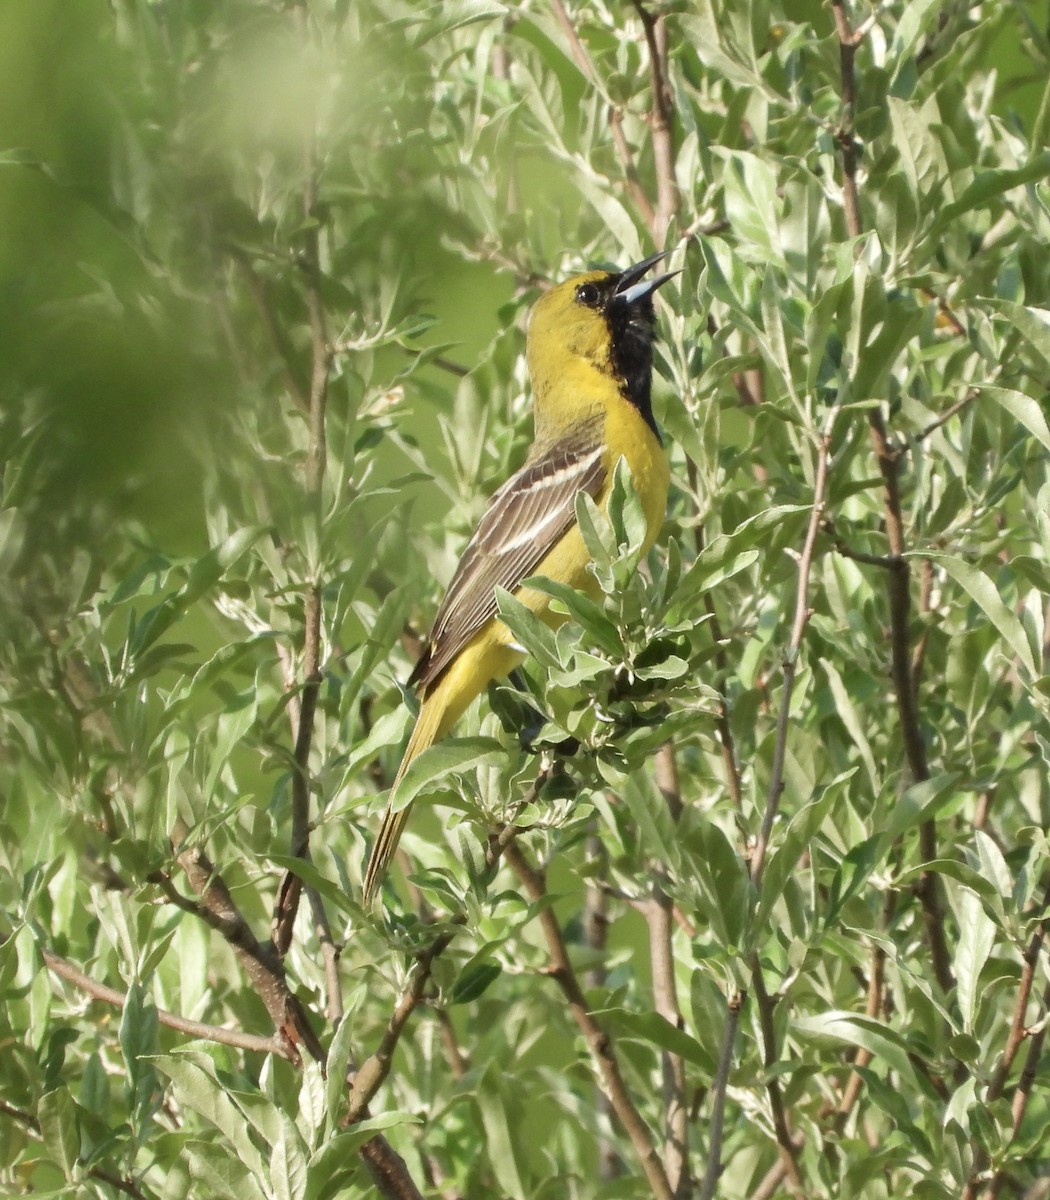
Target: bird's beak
{"points": [[629, 290]]}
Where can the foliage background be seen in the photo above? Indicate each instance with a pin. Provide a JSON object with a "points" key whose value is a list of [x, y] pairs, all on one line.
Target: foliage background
{"points": [[262, 283]]}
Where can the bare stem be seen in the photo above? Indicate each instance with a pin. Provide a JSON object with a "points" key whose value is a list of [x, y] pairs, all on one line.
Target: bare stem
{"points": [[660, 122], [290, 891], [259, 960], [374, 1071], [716, 1121], [598, 1040], [658, 913], [197, 1029], [798, 627], [788, 1149], [899, 581]]}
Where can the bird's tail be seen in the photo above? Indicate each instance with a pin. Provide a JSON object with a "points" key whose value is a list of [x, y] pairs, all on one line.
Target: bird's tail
{"points": [[430, 725]]}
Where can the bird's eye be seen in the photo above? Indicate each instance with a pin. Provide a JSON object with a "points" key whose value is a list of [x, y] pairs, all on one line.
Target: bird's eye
{"points": [[588, 294]]}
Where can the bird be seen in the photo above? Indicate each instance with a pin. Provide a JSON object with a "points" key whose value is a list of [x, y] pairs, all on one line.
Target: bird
{"points": [[589, 356]]}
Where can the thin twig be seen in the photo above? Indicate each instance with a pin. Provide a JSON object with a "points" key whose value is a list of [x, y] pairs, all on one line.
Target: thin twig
{"points": [[899, 580], [290, 890], [598, 1039], [872, 1008], [952, 411], [259, 960], [725, 730], [785, 1140], [660, 122], [719, 1092], [1018, 1026], [658, 910], [197, 1029], [595, 934], [373, 1072], [630, 171], [579, 53], [368, 1080], [790, 665]]}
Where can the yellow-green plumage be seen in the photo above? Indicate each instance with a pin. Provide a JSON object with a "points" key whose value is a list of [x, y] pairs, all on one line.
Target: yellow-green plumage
{"points": [[589, 359]]}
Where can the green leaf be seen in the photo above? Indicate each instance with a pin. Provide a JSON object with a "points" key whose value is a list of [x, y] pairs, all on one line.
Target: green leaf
{"points": [[988, 186], [981, 589], [437, 762], [1025, 409], [198, 1087], [977, 933], [656, 1030], [476, 978], [534, 636], [855, 1029], [57, 1114]]}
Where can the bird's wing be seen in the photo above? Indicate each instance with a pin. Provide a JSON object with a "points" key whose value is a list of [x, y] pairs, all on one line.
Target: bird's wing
{"points": [[525, 519]]}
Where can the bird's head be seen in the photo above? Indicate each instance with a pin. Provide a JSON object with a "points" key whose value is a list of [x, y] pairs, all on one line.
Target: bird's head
{"points": [[601, 319]]}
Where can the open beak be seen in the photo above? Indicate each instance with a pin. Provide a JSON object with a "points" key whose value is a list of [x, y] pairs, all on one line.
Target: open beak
{"points": [[629, 290]]}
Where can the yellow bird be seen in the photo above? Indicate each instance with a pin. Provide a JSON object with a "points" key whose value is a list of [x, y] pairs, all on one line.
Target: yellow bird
{"points": [[589, 353]]}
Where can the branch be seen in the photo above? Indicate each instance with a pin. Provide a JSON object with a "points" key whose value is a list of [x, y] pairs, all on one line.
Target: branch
{"points": [[290, 891], [389, 1170], [660, 123], [212, 1033], [725, 730], [844, 135], [30, 1122], [888, 457], [948, 413], [872, 1008], [1018, 1029], [259, 961], [579, 53], [718, 1100], [790, 665], [369, 1079], [598, 1040], [630, 171], [788, 1149], [595, 934], [658, 913], [373, 1072]]}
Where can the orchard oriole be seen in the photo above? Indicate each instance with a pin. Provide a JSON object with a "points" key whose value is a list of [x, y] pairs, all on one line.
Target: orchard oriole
{"points": [[589, 354]]}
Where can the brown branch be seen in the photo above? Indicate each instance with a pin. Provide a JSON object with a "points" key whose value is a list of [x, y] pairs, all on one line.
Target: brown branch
{"points": [[790, 664], [598, 1040], [872, 1008], [660, 122], [259, 961], [658, 913], [30, 1122], [280, 343], [290, 891], [899, 581], [197, 1029], [788, 1147], [389, 1170], [630, 171], [579, 53], [369, 1079], [1018, 1028], [720, 1090], [373, 1072], [595, 934], [1022, 1096], [844, 135], [948, 413], [725, 731]]}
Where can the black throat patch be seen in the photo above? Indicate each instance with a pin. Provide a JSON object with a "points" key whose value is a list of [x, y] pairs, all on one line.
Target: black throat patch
{"points": [[631, 339]]}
